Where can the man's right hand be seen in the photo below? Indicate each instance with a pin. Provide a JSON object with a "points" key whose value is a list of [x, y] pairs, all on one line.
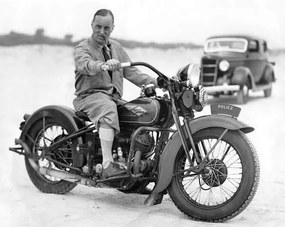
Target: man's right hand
{"points": [[112, 65], [104, 67]]}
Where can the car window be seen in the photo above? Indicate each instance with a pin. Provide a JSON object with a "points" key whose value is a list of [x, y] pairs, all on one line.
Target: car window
{"points": [[253, 46], [265, 46], [226, 44]]}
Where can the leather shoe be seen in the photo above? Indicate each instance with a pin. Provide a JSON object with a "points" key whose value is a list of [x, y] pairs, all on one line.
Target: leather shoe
{"points": [[113, 169]]}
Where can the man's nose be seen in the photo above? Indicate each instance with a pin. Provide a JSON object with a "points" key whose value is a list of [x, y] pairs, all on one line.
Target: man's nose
{"points": [[102, 31]]}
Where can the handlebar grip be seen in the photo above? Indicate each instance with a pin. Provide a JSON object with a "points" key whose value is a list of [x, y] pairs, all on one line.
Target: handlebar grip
{"points": [[105, 67], [125, 64]]}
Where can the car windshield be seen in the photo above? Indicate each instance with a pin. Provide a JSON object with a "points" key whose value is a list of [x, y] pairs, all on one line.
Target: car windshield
{"points": [[226, 44]]}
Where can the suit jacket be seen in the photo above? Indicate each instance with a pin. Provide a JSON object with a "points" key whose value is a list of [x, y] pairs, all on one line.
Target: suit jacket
{"points": [[89, 76]]}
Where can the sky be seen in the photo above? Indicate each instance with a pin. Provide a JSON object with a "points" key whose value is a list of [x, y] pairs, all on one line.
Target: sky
{"points": [[161, 21]]}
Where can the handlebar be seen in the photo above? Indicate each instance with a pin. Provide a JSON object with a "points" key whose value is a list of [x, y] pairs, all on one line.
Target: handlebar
{"points": [[105, 67], [129, 64], [126, 64]]}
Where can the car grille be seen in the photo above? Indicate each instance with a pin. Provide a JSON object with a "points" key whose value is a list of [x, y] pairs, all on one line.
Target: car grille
{"points": [[209, 72]]}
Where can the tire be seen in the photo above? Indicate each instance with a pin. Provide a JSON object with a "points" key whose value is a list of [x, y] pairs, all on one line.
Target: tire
{"points": [[242, 95], [226, 185], [45, 136], [267, 92]]}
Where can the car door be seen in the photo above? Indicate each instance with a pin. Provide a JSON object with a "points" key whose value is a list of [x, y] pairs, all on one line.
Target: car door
{"points": [[256, 59]]}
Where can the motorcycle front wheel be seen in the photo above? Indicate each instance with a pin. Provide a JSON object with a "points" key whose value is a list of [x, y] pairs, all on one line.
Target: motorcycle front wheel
{"points": [[225, 186]]}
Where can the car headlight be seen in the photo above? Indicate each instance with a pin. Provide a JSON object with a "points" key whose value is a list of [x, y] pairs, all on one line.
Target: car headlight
{"points": [[224, 65]]}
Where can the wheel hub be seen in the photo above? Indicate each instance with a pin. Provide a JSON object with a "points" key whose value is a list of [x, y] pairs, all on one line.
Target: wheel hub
{"points": [[215, 173]]}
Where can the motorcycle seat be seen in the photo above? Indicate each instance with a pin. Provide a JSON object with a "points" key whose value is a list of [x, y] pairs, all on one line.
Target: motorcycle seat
{"points": [[82, 115]]}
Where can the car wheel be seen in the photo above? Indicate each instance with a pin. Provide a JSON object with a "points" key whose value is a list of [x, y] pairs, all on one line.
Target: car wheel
{"points": [[267, 92], [242, 95]]}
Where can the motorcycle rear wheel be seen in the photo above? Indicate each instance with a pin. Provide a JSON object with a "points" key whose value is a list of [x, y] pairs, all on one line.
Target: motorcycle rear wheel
{"points": [[226, 185], [44, 134]]}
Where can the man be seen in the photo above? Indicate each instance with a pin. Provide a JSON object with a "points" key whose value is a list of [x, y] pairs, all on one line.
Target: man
{"points": [[98, 91]]}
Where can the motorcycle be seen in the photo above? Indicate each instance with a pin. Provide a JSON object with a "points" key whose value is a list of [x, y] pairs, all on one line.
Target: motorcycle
{"points": [[206, 164]]}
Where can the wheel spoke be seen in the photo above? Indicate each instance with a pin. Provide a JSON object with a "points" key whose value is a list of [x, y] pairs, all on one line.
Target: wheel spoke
{"points": [[220, 179], [50, 134]]}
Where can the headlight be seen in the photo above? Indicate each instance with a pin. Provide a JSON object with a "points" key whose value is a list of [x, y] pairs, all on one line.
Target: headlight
{"points": [[190, 72], [194, 74], [224, 65]]}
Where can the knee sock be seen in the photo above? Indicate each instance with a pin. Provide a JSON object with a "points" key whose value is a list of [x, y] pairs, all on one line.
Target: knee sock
{"points": [[106, 136]]}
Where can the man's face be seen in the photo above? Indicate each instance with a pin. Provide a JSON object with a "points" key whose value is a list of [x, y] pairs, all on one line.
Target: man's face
{"points": [[102, 28]]}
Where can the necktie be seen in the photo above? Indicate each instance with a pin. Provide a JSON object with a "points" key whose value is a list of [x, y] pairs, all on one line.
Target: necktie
{"points": [[107, 55], [106, 52]]}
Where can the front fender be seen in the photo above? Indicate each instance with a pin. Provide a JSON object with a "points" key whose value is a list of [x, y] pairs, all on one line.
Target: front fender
{"points": [[64, 115], [241, 75], [268, 75], [171, 149]]}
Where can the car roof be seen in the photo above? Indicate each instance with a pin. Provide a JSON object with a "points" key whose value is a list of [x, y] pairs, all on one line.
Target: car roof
{"points": [[248, 37]]}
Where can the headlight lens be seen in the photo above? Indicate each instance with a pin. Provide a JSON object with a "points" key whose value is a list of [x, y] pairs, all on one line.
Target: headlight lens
{"points": [[194, 74], [190, 73], [224, 65]]}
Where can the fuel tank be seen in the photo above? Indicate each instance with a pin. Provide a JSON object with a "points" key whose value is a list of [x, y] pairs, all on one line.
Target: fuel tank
{"points": [[143, 111]]}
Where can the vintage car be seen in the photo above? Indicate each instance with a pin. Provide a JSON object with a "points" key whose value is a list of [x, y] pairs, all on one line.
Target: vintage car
{"points": [[235, 64]]}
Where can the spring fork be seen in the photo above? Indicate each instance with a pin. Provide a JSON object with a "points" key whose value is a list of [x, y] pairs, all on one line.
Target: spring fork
{"points": [[186, 122], [180, 131]]}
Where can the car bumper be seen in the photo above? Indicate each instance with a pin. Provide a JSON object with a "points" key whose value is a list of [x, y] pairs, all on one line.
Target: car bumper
{"points": [[222, 88]]}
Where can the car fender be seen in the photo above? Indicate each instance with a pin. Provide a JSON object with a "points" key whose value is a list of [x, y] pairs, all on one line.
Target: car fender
{"points": [[65, 115], [268, 75], [170, 151], [241, 75]]}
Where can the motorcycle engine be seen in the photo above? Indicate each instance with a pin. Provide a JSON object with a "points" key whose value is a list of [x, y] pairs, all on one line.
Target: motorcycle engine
{"points": [[144, 143]]}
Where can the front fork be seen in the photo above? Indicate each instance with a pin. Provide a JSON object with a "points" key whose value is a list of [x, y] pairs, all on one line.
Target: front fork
{"points": [[184, 135]]}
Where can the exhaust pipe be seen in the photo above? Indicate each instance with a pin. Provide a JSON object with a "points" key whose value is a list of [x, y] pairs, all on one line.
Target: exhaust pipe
{"points": [[137, 162], [55, 173], [67, 176]]}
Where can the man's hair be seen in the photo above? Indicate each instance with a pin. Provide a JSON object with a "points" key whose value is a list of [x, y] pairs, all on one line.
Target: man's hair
{"points": [[103, 12]]}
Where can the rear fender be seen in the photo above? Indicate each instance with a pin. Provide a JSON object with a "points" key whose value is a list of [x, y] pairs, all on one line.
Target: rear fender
{"points": [[171, 149], [65, 115]]}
